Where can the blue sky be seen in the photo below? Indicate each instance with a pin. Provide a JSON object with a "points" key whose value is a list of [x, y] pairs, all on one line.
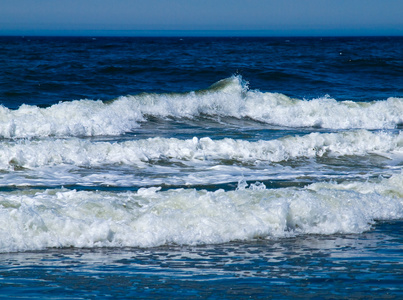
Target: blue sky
{"points": [[201, 17]]}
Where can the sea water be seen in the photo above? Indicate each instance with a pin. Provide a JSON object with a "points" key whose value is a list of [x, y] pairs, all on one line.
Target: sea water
{"points": [[201, 167]]}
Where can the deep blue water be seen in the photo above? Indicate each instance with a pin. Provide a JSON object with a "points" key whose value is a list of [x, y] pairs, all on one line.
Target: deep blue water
{"points": [[214, 168], [46, 70]]}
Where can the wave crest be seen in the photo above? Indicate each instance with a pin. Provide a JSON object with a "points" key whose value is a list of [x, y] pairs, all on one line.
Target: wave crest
{"points": [[229, 97]]}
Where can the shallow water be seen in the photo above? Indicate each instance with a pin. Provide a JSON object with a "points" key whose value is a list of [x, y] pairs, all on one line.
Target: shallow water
{"points": [[312, 266]]}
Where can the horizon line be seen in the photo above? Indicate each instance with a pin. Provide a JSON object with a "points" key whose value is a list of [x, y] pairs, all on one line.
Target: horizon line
{"points": [[199, 33]]}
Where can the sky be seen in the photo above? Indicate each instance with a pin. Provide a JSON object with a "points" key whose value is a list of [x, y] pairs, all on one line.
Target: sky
{"points": [[201, 17]]}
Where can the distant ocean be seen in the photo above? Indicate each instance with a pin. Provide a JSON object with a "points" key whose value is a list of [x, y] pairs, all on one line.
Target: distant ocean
{"points": [[186, 168]]}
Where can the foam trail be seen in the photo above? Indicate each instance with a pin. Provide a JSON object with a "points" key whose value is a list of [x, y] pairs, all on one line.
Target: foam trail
{"points": [[85, 153], [33, 219], [229, 97]]}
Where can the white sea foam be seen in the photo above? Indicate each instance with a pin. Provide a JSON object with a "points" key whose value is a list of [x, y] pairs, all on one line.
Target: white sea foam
{"points": [[139, 153], [229, 97], [35, 219]]}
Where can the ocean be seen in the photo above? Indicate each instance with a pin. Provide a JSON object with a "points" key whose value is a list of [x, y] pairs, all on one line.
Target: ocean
{"points": [[201, 168]]}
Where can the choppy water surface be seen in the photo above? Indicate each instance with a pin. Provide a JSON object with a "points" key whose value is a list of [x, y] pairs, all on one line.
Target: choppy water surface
{"points": [[201, 167]]}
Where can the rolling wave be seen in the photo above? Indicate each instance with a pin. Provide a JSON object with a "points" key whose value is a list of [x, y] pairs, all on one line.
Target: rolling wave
{"points": [[229, 97], [32, 219]]}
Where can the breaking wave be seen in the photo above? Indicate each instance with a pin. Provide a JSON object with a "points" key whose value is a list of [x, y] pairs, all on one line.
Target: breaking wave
{"points": [[86, 153], [229, 97], [32, 219]]}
